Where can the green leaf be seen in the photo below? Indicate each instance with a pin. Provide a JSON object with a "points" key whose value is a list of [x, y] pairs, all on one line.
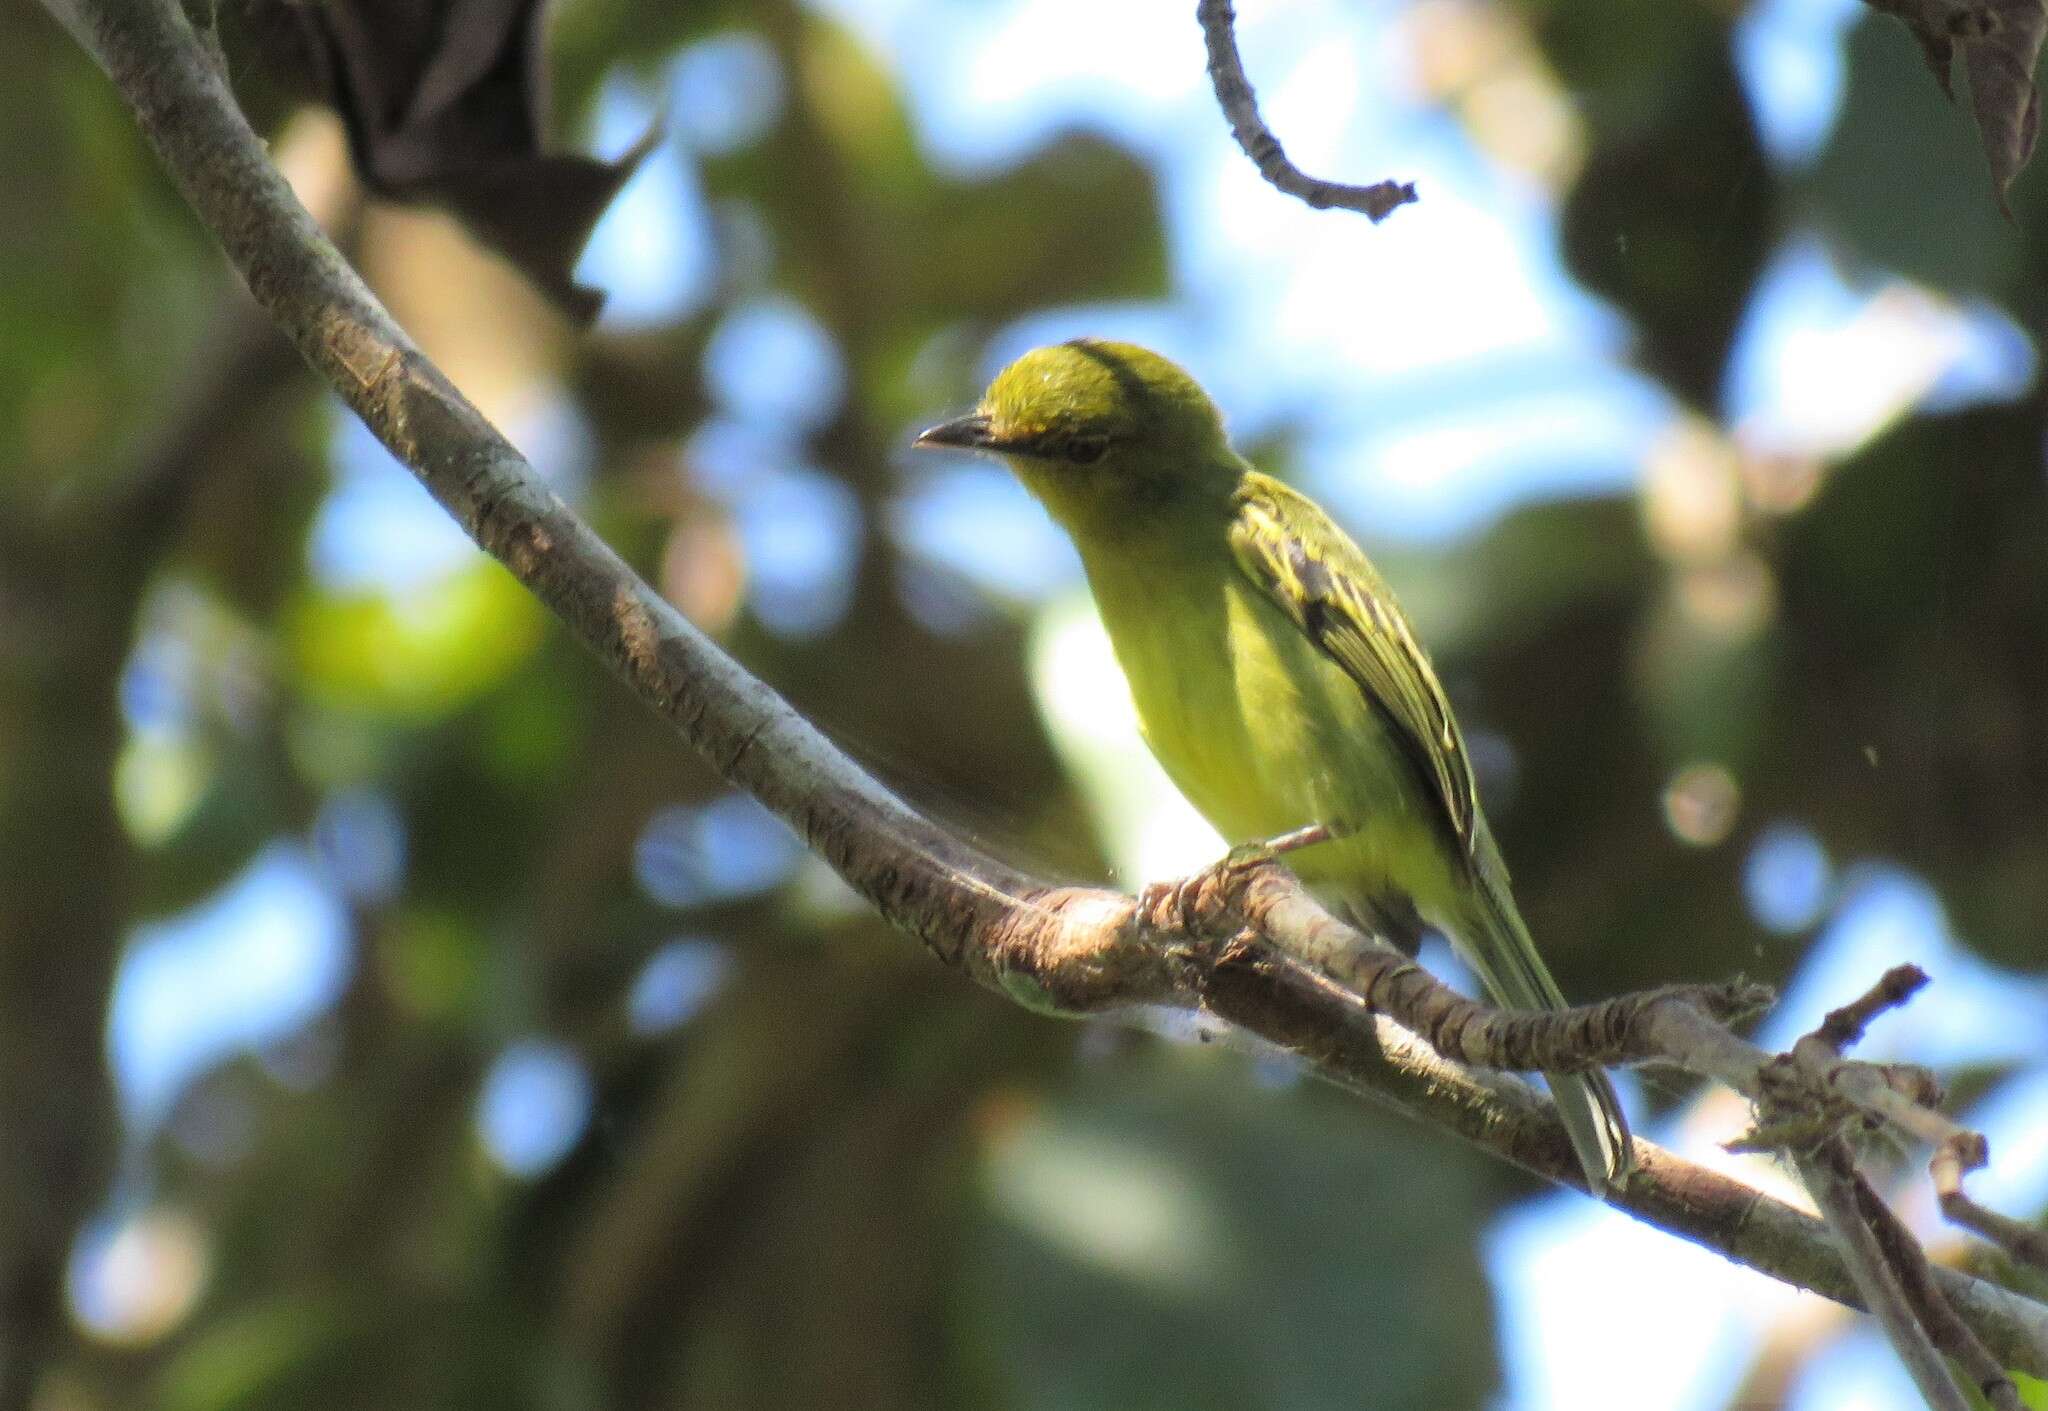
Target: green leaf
{"points": [[421, 655]]}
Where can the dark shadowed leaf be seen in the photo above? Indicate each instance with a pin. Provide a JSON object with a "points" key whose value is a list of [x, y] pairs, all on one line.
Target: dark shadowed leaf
{"points": [[1672, 219], [2000, 62], [1912, 598], [446, 101], [1895, 183], [2000, 41]]}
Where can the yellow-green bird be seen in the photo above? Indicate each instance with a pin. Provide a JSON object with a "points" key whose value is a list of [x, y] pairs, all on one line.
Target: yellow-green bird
{"points": [[1275, 676]]}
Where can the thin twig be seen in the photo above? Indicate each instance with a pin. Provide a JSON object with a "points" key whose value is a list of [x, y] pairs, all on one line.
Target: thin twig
{"points": [[1286, 1002], [1888, 1263], [1916, 1276], [1842, 1029], [1241, 106], [1904, 1095], [1604, 1034], [1830, 1177], [1813, 1080], [1956, 1158], [1686, 1024]]}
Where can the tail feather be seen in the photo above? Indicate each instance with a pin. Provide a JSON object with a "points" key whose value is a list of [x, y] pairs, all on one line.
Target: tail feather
{"points": [[1496, 944]]}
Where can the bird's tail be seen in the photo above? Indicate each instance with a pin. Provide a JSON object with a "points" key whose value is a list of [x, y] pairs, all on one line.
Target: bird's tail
{"points": [[1496, 944]]}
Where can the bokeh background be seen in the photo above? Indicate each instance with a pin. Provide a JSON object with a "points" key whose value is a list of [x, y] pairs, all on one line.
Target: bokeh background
{"points": [[392, 1015]]}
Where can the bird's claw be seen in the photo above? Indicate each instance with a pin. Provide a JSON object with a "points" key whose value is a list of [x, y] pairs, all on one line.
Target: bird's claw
{"points": [[1167, 903], [1178, 901], [1175, 902]]}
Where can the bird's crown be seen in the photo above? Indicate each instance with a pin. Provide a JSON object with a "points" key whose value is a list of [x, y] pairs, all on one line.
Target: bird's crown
{"points": [[1073, 400]]}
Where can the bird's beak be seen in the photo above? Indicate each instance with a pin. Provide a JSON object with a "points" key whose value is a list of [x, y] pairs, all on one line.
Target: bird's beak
{"points": [[968, 433]]}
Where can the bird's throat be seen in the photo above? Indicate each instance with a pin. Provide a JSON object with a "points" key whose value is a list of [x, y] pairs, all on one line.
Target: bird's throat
{"points": [[1147, 519]]}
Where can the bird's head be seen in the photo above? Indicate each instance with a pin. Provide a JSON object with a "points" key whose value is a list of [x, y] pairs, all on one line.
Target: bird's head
{"points": [[1104, 433]]}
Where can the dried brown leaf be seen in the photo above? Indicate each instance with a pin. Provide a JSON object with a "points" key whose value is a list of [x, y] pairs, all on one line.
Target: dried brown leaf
{"points": [[2000, 60], [2001, 43], [446, 101]]}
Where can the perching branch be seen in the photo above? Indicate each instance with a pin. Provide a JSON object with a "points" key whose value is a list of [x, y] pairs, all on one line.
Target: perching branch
{"points": [[1625, 1029], [1246, 945], [1241, 105]]}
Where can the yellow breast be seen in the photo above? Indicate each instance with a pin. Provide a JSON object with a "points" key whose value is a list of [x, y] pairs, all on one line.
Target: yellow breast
{"points": [[1261, 731]]}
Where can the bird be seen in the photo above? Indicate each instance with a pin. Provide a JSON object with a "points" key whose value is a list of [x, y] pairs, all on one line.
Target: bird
{"points": [[1276, 679]]}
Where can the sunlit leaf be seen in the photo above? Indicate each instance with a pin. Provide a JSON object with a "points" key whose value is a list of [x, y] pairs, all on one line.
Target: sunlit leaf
{"points": [[422, 654]]}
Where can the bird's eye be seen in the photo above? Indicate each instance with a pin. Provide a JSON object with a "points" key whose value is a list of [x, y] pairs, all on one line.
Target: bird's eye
{"points": [[1086, 450]]}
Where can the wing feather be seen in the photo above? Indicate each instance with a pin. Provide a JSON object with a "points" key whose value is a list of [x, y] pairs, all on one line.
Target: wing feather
{"points": [[1313, 572]]}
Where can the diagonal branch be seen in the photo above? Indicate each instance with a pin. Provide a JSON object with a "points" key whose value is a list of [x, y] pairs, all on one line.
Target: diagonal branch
{"points": [[1944, 1329], [1241, 105], [1246, 945], [1831, 1176]]}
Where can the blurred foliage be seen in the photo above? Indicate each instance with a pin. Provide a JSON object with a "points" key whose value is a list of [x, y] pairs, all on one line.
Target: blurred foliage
{"points": [[849, 1178]]}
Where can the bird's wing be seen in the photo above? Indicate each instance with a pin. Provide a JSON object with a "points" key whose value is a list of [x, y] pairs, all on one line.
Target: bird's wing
{"points": [[1314, 573]]}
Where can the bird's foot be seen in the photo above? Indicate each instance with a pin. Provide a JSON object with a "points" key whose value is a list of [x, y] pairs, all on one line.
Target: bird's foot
{"points": [[1170, 903], [1177, 902]]}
